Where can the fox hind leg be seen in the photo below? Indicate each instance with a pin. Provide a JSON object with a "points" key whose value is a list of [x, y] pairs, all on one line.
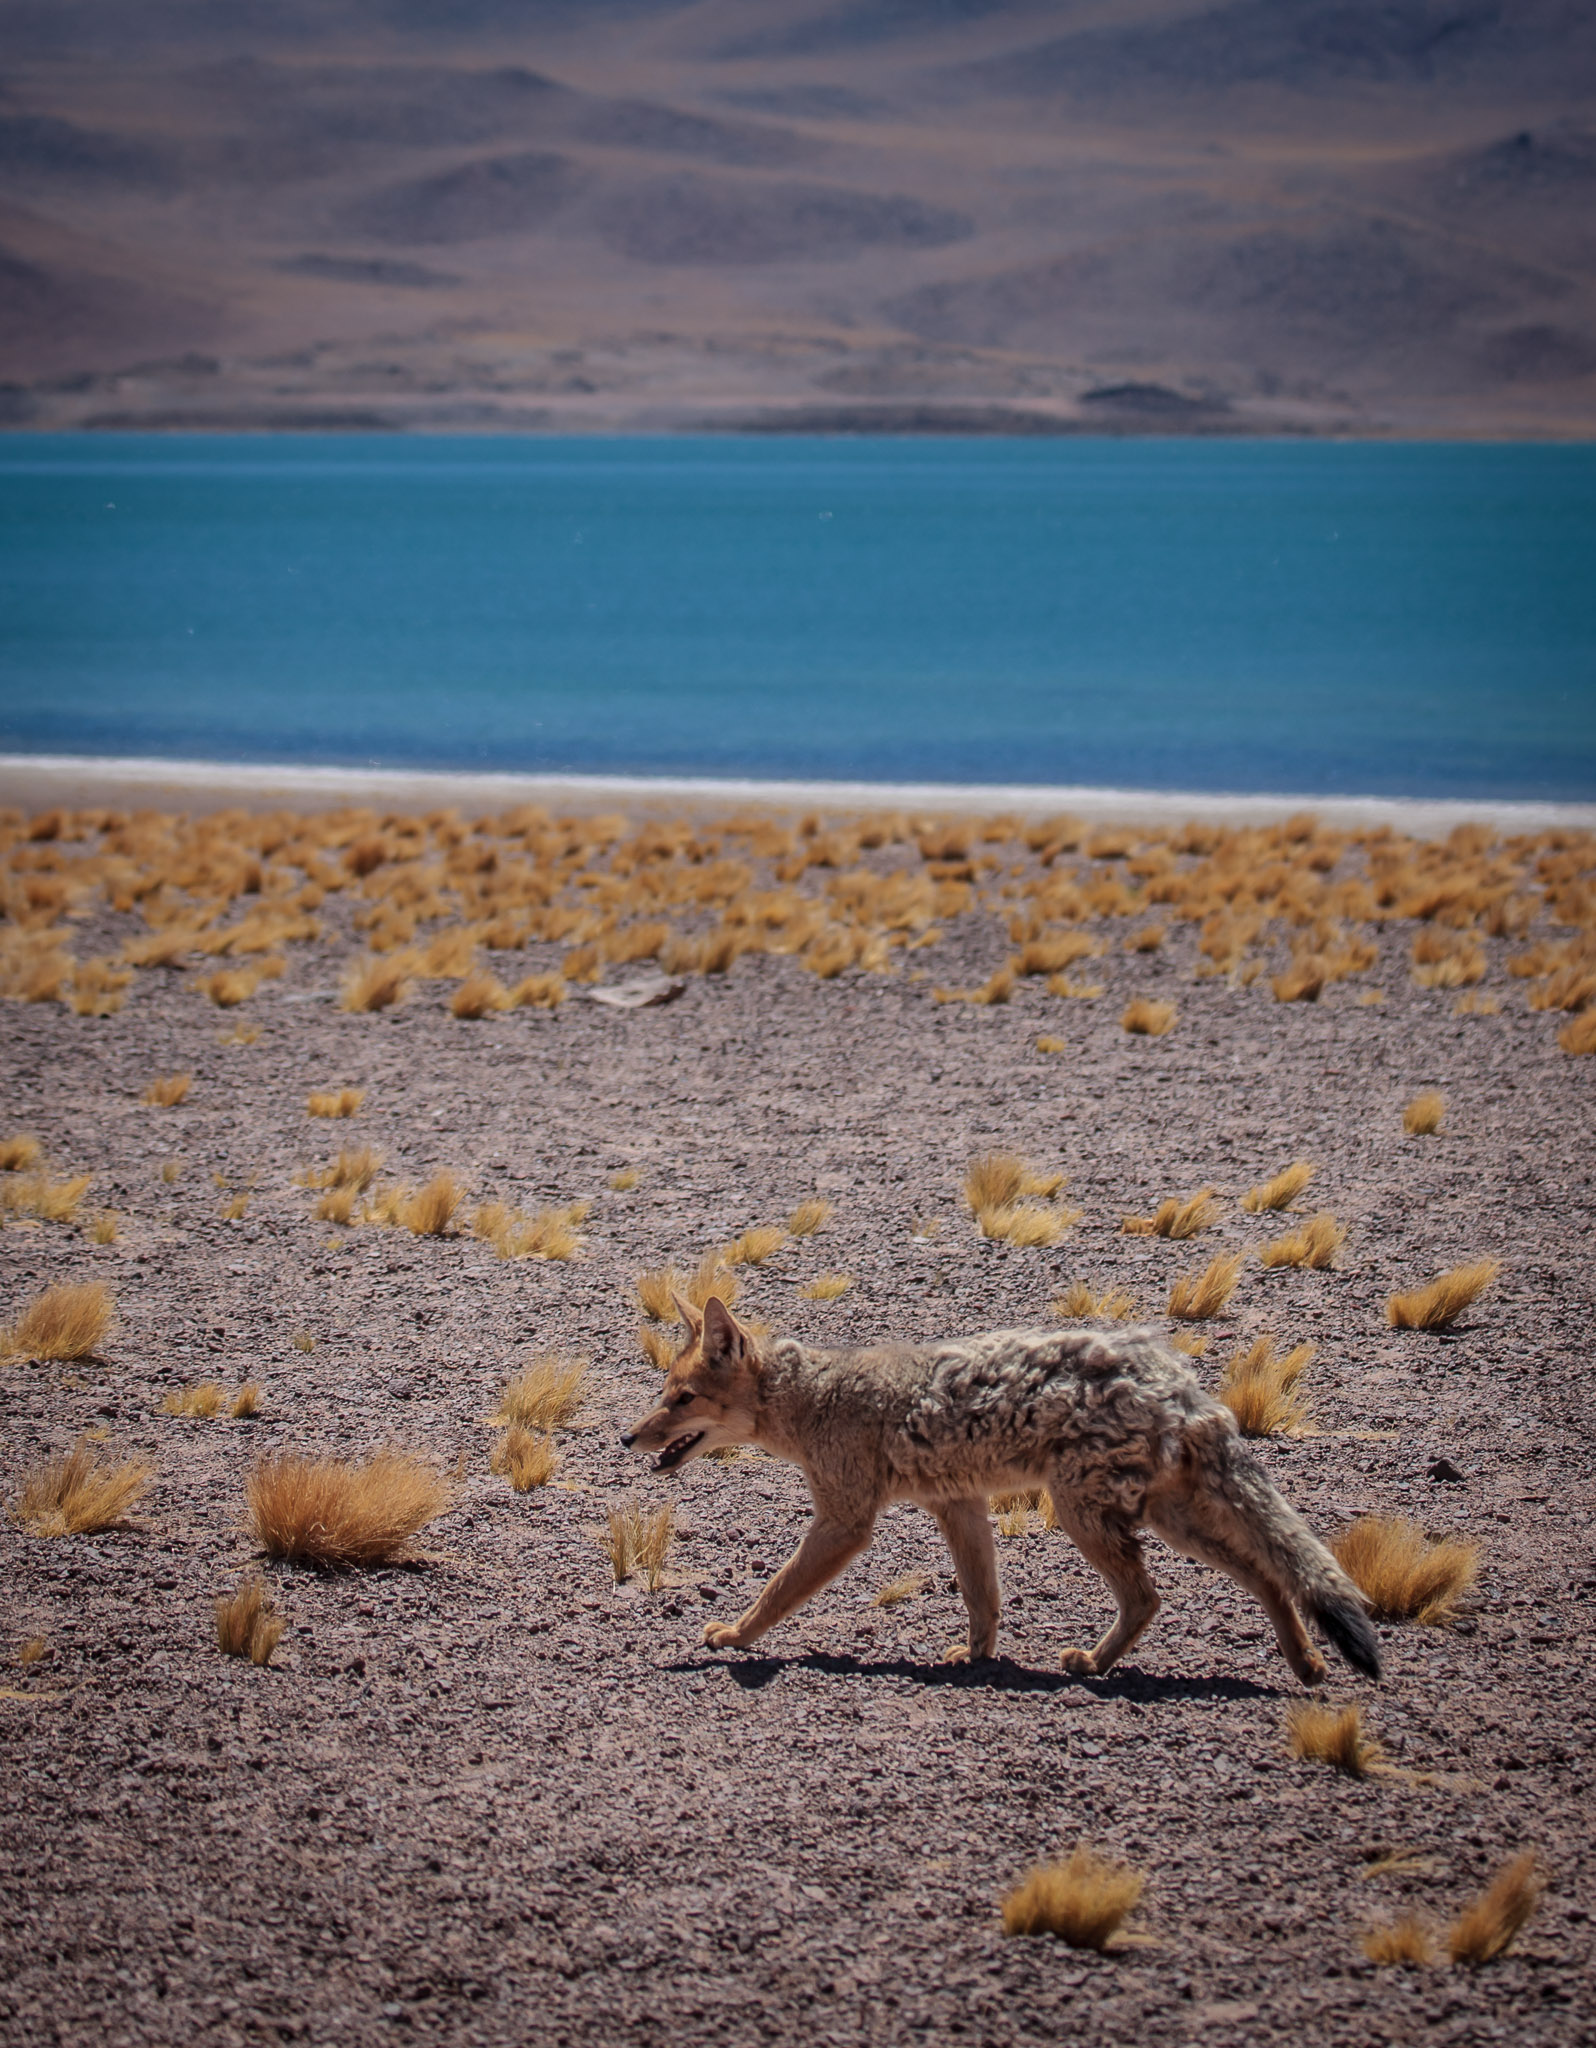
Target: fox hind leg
{"points": [[967, 1529], [1115, 1549]]}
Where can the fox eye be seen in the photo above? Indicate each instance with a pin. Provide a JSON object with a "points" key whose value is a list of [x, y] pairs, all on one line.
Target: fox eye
{"points": [[681, 1400]]}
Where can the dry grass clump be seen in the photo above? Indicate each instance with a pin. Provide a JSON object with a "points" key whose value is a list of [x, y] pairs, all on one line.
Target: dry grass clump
{"points": [[1197, 1296], [1422, 1117], [545, 1396], [657, 1291], [539, 992], [230, 986], [1407, 1939], [334, 1102], [808, 1217], [627, 1178], [1174, 1218], [302, 1340], [1578, 1035], [1439, 1305], [756, 1245], [51, 1201], [1053, 953], [201, 1401], [524, 1457], [247, 1624], [1260, 1390], [246, 1402], [998, 988], [19, 1152], [377, 983], [1280, 1191], [1331, 1735], [1015, 1509], [64, 1322], [657, 1347], [95, 988], [338, 1514], [166, 1091], [1051, 1045], [1084, 1901], [81, 1493], [827, 1286], [550, 1234], [1315, 1245], [355, 1168], [638, 1540], [102, 1230], [481, 994], [1402, 1573], [1145, 1019], [172, 1171], [337, 1205], [1078, 1302], [1485, 1929], [712, 1276], [896, 1591], [995, 1187], [430, 1210]]}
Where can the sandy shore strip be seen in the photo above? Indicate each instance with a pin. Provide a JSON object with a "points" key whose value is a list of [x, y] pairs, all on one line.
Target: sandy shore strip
{"points": [[37, 781]]}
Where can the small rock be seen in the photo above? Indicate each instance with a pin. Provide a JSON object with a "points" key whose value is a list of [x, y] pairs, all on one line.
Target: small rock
{"points": [[1443, 1469]]}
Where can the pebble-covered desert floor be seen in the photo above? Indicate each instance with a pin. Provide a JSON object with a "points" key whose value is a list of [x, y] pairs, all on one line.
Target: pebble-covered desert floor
{"points": [[486, 1793]]}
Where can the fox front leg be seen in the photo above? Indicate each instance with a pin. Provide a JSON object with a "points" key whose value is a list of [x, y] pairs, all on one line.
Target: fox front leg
{"points": [[967, 1530], [827, 1548]]}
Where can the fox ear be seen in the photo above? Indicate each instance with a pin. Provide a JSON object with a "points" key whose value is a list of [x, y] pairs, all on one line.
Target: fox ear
{"points": [[688, 1314], [724, 1337]]}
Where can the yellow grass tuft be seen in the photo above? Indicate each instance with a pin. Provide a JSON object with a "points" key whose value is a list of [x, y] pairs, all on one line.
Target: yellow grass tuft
{"points": [[302, 1340], [1173, 1218], [635, 1539], [1145, 1019], [102, 1230], [1280, 1191], [1051, 1045], [172, 1171], [338, 1514], [1260, 1390], [827, 1286], [334, 1102], [19, 1152], [1314, 1245], [51, 1201], [896, 1591], [337, 1205], [355, 1167], [1075, 991], [712, 1276], [34, 1651], [1189, 1341], [246, 1402], [524, 1457], [539, 992], [247, 1625], [430, 1210], [1402, 1573], [1371, 998], [480, 995], [1422, 1117], [230, 986], [1051, 955], [1578, 1035], [1407, 1939], [202, 1401], [235, 1208], [1196, 1296], [1078, 1302], [1015, 1509], [657, 1347], [64, 1322], [166, 1091], [1439, 1305], [808, 1217], [628, 1177], [545, 1396], [1485, 1929], [657, 1291], [756, 1245], [96, 988], [998, 1180], [1084, 1901], [80, 1494], [376, 983], [1331, 1735]]}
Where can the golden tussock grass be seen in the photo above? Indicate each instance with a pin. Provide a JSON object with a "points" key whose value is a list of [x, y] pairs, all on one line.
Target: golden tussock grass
{"points": [[201, 1401], [549, 1234], [1407, 1939], [95, 988], [480, 995], [1280, 1191], [302, 1340], [235, 1208], [1074, 991], [1371, 998], [997, 1180], [1145, 1019], [1053, 953], [712, 1276], [1331, 1735], [1485, 1929], [1174, 1218], [429, 1211], [657, 1346], [172, 1171], [896, 1591], [1051, 1045], [1439, 1305], [166, 1091], [1015, 1508], [1578, 1035], [1148, 939], [1315, 1244], [340, 1514], [545, 1396], [808, 1217], [242, 1033], [38, 1195], [1476, 1005], [376, 983], [334, 1102], [63, 1322], [246, 1402], [19, 1152], [1084, 1901], [1078, 1302], [524, 1457], [1196, 1296], [103, 1227], [1260, 1390], [337, 1205], [247, 1624], [657, 1290], [1422, 1117], [230, 986], [451, 955], [1190, 1342], [539, 992], [999, 988], [1302, 982], [81, 1493], [627, 1178], [639, 1539], [1402, 1573], [756, 1245], [34, 1651], [827, 1287], [355, 1167]]}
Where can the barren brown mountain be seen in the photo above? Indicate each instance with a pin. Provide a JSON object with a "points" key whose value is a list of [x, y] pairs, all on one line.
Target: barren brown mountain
{"points": [[883, 214]]}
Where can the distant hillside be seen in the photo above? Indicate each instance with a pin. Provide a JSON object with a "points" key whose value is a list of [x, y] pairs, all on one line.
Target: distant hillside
{"points": [[1045, 216]]}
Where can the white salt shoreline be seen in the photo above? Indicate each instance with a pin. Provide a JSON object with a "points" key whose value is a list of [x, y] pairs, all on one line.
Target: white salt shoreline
{"points": [[38, 781]]}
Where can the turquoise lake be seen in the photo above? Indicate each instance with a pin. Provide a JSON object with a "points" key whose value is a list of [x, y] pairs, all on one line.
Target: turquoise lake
{"points": [[1388, 619]]}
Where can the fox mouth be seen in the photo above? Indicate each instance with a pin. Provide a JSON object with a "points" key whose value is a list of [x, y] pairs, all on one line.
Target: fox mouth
{"points": [[678, 1449]]}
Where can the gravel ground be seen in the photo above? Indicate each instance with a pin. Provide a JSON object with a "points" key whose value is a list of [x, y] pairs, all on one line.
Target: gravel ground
{"points": [[488, 1793]]}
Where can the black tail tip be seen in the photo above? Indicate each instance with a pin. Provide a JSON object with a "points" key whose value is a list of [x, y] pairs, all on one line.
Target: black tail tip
{"points": [[1351, 1633]]}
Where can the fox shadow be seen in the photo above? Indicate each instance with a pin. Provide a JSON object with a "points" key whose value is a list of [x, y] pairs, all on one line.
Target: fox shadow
{"points": [[996, 1674]]}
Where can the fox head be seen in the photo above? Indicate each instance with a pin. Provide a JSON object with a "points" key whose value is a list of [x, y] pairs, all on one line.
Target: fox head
{"points": [[711, 1394]]}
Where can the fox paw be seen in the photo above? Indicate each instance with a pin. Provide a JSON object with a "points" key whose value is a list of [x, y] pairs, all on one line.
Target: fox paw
{"points": [[1312, 1670], [960, 1652], [719, 1637], [1079, 1663]]}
